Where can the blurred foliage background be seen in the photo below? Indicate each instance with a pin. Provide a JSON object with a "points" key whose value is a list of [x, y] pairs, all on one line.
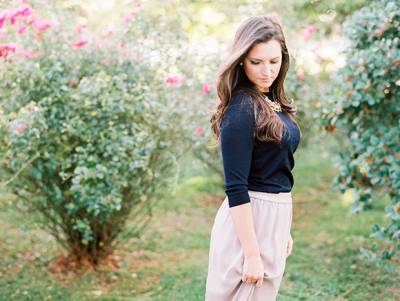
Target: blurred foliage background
{"points": [[136, 80]]}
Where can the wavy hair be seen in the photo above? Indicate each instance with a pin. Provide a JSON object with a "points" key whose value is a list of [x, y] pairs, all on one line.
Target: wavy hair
{"points": [[232, 77]]}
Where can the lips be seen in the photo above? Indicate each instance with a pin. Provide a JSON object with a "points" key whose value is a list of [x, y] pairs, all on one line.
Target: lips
{"points": [[265, 79]]}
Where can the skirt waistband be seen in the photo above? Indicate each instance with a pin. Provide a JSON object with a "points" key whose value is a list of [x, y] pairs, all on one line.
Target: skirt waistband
{"points": [[280, 197]]}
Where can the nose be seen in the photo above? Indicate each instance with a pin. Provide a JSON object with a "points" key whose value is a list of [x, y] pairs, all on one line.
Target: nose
{"points": [[266, 70]]}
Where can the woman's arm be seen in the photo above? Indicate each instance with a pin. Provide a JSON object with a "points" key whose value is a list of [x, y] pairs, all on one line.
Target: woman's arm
{"points": [[237, 147], [237, 141], [243, 220], [253, 267]]}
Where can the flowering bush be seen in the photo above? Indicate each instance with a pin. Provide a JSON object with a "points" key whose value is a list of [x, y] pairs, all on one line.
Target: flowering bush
{"points": [[83, 139], [364, 104]]}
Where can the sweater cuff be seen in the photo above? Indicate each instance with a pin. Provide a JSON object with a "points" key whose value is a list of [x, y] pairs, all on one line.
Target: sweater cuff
{"points": [[238, 199]]}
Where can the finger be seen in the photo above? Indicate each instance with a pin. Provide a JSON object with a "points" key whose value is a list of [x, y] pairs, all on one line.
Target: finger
{"points": [[259, 282], [247, 279]]}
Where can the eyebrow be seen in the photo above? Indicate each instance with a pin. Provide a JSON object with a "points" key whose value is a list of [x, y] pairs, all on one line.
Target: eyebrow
{"points": [[261, 59]]}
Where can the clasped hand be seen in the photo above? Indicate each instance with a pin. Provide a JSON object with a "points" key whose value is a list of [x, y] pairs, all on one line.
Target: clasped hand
{"points": [[253, 267]]}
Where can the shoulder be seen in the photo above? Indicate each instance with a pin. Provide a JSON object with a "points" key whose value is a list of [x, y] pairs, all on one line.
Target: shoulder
{"points": [[241, 101], [240, 110], [240, 97]]}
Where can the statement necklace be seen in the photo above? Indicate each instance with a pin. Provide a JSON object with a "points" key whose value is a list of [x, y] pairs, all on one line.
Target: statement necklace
{"points": [[276, 106]]}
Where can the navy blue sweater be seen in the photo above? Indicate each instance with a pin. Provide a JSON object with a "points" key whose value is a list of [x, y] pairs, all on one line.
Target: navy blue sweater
{"points": [[250, 164]]}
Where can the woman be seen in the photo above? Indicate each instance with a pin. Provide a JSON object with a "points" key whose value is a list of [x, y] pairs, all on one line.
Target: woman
{"points": [[255, 123]]}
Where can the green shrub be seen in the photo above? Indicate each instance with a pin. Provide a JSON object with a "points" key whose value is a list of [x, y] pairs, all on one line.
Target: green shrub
{"points": [[364, 105], [84, 138]]}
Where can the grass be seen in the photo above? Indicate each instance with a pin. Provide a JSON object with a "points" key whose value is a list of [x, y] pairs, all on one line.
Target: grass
{"points": [[169, 262]]}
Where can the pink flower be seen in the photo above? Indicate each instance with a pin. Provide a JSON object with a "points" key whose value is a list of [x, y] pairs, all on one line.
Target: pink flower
{"points": [[41, 26], [308, 32], [133, 13], [12, 20], [136, 6], [199, 131], [20, 12], [127, 18], [103, 41], [21, 29], [108, 34], [173, 80], [206, 89], [9, 47], [3, 18], [26, 53], [23, 11], [5, 49], [79, 44], [80, 27], [20, 127]]}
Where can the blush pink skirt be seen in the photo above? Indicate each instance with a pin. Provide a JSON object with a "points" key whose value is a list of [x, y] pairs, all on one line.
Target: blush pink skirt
{"points": [[272, 216]]}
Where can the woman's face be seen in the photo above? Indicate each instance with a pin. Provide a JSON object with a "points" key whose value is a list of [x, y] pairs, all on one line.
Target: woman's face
{"points": [[263, 63]]}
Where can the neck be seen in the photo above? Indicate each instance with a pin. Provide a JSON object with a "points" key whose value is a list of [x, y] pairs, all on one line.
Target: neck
{"points": [[261, 89]]}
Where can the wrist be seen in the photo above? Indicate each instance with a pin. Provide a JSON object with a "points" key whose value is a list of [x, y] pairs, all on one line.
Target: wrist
{"points": [[251, 253]]}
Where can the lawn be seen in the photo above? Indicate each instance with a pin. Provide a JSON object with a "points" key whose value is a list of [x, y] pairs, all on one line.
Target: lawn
{"points": [[169, 262]]}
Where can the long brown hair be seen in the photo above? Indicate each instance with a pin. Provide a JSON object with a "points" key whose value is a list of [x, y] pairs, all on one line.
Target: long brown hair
{"points": [[231, 77]]}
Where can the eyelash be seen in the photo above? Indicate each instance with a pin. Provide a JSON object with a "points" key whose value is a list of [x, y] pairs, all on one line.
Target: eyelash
{"points": [[256, 63]]}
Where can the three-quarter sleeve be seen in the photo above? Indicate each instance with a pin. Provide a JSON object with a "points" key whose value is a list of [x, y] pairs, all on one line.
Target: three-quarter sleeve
{"points": [[237, 142]]}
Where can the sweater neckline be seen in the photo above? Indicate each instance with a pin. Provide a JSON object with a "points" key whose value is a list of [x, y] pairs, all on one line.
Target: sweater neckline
{"points": [[269, 95]]}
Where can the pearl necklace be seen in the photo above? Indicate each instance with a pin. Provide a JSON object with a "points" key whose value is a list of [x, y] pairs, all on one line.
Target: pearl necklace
{"points": [[276, 106]]}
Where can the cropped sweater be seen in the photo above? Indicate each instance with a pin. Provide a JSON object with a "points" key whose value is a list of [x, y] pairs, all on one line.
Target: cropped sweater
{"points": [[250, 164]]}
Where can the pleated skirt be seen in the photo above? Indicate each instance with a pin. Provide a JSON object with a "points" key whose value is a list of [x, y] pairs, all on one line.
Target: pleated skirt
{"points": [[272, 216]]}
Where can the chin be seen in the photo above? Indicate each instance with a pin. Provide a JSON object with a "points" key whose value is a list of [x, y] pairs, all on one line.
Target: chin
{"points": [[265, 87]]}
